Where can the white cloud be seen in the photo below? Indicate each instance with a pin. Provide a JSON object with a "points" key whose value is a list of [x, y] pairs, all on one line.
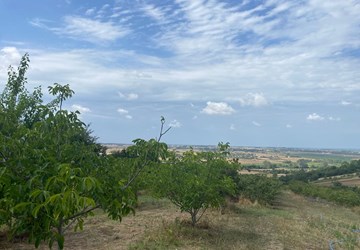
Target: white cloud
{"points": [[256, 100], [9, 56], [86, 29], [90, 11], [129, 97], [122, 111], [153, 12], [232, 127], [175, 124], [256, 124], [345, 103], [218, 108], [80, 108], [288, 126], [289, 56], [315, 117]]}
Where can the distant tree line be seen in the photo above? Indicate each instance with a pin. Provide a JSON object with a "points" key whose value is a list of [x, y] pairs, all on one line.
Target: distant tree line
{"points": [[339, 194], [313, 175]]}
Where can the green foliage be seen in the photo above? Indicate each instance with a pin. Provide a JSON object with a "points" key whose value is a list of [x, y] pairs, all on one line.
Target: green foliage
{"points": [[345, 168], [195, 181], [258, 188], [52, 171], [341, 195]]}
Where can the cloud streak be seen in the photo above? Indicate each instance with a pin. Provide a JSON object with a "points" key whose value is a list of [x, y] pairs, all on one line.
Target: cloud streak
{"points": [[86, 29]]}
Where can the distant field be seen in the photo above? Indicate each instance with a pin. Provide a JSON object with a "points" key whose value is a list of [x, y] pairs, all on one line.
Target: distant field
{"points": [[257, 156], [351, 181]]}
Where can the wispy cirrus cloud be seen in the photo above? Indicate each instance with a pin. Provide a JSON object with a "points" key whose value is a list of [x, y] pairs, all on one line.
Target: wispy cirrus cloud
{"points": [[129, 96], [285, 55], [153, 12], [277, 47], [86, 29], [256, 124]]}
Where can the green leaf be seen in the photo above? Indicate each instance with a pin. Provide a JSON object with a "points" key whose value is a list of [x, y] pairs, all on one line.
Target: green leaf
{"points": [[22, 205], [36, 210]]}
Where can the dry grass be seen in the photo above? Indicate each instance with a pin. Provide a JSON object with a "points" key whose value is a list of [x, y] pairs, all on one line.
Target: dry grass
{"points": [[295, 223], [351, 181]]}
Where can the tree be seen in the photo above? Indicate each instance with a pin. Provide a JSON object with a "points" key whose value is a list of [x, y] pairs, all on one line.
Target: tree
{"points": [[303, 164], [258, 188], [52, 171], [195, 182]]}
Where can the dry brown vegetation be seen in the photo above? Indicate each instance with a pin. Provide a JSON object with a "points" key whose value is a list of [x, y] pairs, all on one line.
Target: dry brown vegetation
{"points": [[294, 223], [350, 181]]}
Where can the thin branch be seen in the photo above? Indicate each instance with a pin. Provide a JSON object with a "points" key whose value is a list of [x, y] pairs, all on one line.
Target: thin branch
{"points": [[162, 120], [202, 213], [85, 211], [70, 224], [146, 155], [134, 176]]}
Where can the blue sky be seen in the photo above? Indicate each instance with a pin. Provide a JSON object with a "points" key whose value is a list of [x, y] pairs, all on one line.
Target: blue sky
{"points": [[252, 73]]}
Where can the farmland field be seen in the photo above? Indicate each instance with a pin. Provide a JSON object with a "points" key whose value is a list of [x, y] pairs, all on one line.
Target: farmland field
{"points": [[256, 155], [351, 181]]}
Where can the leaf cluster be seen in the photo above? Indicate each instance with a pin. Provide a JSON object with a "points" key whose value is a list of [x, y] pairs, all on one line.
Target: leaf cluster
{"points": [[195, 181], [53, 173]]}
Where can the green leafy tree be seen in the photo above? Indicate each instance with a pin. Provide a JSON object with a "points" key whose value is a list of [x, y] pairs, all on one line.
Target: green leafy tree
{"points": [[52, 172], [258, 188], [195, 182]]}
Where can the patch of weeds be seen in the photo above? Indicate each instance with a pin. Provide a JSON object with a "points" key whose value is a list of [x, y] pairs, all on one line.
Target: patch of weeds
{"points": [[166, 237], [264, 211], [348, 240], [147, 202]]}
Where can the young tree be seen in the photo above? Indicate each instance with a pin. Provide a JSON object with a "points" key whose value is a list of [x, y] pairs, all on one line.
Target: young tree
{"points": [[195, 182]]}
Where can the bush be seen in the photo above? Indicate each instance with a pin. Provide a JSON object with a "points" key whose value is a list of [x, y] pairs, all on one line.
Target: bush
{"points": [[258, 188], [341, 195]]}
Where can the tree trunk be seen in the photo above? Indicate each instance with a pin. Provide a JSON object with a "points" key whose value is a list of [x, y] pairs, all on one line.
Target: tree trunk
{"points": [[193, 218]]}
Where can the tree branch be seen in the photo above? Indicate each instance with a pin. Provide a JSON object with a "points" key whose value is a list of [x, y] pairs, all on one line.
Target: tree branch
{"points": [[85, 211]]}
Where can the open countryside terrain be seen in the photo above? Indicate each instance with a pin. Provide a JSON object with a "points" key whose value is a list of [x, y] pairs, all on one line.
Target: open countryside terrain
{"points": [[293, 222], [350, 180], [257, 155]]}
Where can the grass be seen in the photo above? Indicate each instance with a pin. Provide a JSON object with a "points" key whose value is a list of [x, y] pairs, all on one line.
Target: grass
{"points": [[294, 223], [350, 180]]}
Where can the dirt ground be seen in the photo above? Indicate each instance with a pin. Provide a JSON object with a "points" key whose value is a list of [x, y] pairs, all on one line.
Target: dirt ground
{"points": [[102, 233]]}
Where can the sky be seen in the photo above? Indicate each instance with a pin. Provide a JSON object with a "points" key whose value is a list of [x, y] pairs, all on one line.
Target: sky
{"points": [[265, 73]]}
